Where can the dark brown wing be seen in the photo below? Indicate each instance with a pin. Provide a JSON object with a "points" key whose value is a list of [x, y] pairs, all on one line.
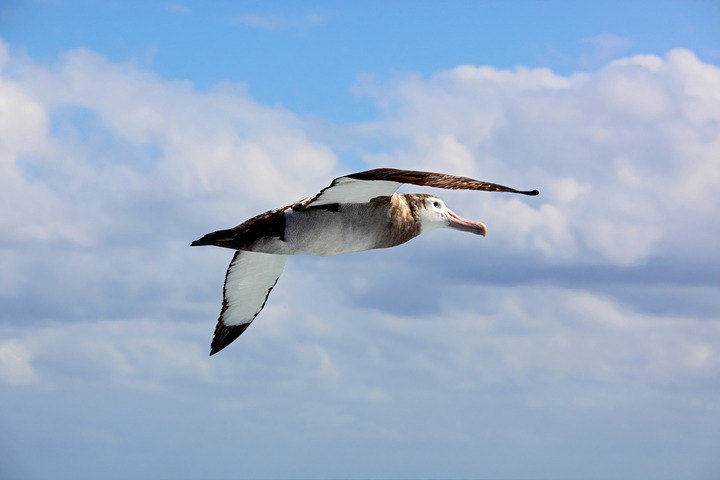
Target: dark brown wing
{"points": [[430, 179], [363, 186]]}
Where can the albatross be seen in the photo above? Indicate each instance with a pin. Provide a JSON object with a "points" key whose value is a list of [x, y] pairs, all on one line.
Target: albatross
{"points": [[355, 213]]}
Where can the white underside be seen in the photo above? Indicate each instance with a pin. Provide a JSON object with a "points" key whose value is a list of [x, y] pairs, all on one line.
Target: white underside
{"points": [[324, 233], [348, 190], [250, 278]]}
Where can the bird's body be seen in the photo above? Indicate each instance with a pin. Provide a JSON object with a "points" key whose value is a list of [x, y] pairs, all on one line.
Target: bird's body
{"points": [[355, 213], [383, 222]]}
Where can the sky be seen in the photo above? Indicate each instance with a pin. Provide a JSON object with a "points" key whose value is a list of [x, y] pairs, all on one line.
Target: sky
{"points": [[579, 339]]}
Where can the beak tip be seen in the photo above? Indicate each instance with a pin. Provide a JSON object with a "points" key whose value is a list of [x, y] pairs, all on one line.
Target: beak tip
{"points": [[458, 223]]}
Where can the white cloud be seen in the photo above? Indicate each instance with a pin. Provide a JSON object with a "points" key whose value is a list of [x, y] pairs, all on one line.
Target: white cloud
{"points": [[31, 209], [605, 47], [143, 354], [110, 171], [15, 367], [481, 335], [220, 146], [619, 155]]}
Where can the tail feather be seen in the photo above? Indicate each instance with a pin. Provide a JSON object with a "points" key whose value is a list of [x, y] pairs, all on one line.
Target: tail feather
{"points": [[219, 238]]}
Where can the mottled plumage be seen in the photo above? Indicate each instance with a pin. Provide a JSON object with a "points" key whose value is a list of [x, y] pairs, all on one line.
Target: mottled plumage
{"points": [[438, 180], [356, 212]]}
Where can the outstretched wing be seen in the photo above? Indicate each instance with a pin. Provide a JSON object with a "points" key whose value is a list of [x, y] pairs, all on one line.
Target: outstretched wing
{"points": [[363, 186], [248, 282]]}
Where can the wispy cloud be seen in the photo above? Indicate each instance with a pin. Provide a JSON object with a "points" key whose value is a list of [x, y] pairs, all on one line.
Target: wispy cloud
{"points": [[177, 8], [15, 367], [604, 47], [277, 22], [594, 52]]}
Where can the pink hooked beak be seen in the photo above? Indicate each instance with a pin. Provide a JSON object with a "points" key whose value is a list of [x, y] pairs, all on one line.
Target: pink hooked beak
{"points": [[459, 223]]}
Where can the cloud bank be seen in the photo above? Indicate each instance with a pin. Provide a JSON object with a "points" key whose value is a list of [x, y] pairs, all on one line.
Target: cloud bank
{"points": [[626, 158]]}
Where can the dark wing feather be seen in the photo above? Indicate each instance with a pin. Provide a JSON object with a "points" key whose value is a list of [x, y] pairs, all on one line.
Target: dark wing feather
{"points": [[363, 186], [431, 179], [225, 335]]}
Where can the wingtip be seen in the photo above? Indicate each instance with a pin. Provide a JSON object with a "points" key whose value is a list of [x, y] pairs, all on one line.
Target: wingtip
{"points": [[215, 348], [523, 192]]}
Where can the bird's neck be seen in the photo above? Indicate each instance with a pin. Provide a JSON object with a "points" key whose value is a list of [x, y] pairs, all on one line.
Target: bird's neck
{"points": [[403, 221]]}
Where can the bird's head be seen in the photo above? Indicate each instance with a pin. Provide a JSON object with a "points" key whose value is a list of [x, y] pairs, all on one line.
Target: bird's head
{"points": [[434, 214]]}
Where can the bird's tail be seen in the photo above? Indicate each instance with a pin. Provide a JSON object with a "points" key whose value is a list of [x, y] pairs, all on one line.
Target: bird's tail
{"points": [[219, 238]]}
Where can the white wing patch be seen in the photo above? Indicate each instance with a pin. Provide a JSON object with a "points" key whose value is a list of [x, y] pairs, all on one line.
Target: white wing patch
{"points": [[248, 282], [350, 190]]}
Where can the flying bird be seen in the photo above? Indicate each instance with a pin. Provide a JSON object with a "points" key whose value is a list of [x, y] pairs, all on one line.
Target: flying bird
{"points": [[356, 212]]}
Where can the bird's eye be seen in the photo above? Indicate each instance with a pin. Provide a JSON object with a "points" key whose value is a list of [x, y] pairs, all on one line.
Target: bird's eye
{"points": [[436, 204]]}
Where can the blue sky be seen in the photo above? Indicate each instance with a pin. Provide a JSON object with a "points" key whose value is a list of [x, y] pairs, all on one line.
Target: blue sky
{"points": [[579, 339], [306, 55]]}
